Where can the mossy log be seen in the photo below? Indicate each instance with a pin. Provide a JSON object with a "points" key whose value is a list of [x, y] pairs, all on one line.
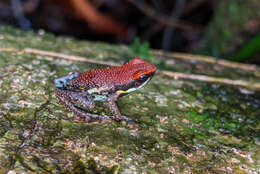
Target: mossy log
{"points": [[186, 122]]}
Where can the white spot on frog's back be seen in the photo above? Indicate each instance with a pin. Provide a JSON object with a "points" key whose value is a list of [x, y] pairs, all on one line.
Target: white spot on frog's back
{"points": [[98, 90]]}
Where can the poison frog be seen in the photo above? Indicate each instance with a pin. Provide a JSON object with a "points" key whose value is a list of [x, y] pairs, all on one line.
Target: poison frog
{"points": [[81, 90]]}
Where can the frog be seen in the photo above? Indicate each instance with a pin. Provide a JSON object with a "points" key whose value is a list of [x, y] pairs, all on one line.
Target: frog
{"points": [[79, 91]]}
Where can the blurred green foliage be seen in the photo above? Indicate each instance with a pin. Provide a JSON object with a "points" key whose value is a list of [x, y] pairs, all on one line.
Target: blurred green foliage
{"points": [[226, 30], [249, 50], [143, 51]]}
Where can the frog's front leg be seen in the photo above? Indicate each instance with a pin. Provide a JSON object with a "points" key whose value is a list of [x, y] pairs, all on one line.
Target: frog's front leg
{"points": [[71, 99], [111, 104]]}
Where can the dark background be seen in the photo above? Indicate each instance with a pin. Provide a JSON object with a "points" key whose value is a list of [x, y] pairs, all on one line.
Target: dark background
{"points": [[226, 29]]}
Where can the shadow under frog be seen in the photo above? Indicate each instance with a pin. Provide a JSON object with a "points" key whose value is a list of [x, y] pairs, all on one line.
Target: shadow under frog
{"points": [[108, 84]]}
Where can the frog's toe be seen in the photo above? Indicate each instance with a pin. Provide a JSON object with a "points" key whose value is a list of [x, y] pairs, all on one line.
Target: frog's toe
{"points": [[124, 118]]}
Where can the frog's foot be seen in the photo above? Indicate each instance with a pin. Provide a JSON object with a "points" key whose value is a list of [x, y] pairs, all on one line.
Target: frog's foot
{"points": [[111, 104], [123, 118], [92, 118]]}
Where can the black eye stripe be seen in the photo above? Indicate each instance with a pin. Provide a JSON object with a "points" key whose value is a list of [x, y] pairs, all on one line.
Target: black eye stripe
{"points": [[137, 83], [132, 84], [143, 78]]}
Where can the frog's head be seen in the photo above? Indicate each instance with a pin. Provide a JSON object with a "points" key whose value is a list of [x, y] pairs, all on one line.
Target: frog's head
{"points": [[62, 81], [140, 73]]}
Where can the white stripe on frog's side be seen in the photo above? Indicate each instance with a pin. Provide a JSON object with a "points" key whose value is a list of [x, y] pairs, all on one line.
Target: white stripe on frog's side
{"points": [[134, 89], [97, 90], [93, 90]]}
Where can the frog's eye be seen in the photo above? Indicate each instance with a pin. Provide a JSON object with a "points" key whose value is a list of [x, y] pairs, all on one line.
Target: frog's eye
{"points": [[143, 78]]}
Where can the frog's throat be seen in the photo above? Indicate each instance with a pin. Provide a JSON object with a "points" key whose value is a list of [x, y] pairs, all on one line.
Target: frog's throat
{"points": [[142, 85]]}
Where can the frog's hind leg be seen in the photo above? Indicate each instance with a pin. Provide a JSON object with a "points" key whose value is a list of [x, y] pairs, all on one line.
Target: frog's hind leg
{"points": [[81, 99], [70, 98]]}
